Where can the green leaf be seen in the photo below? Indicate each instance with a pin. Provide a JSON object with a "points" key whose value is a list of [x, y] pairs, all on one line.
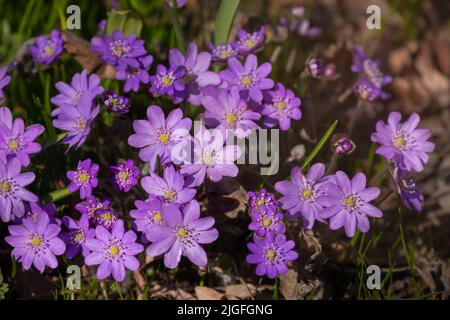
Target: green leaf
{"points": [[125, 21], [224, 20], [320, 145], [181, 41], [57, 195]]}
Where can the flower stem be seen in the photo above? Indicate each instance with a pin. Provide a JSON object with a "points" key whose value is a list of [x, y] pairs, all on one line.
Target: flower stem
{"points": [[57, 195]]}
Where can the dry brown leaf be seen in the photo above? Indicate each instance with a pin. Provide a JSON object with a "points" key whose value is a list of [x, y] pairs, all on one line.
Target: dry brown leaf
{"points": [[81, 50], [206, 293], [293, 288], [227, 197], [240, 291]]}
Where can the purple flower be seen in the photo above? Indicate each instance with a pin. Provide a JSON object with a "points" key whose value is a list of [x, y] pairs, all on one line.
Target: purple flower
{"points": [[197, 75], [266, 222], [366, 91], [303, 194], [125, 175], [105, 217], [147, 214], [80, 86], [16, 141], [116, 103], [271, 254], [223, 51], [5, 78], [298, 23], [347, 203], [182, 235], [410, 194], [281, 105], [403, 143], [34, 209], [119, 50], [84, 178], [91, 205], [180, 3], [113, 251], [36, 243], [168, 81], [210, 158], [249, 78], [262, 202], [47, 49], [135, 76], [12, 191], [158, 135], [227, 111], [169, 188], [343, 145], [315, 67], [249, 42], [75, 238]]}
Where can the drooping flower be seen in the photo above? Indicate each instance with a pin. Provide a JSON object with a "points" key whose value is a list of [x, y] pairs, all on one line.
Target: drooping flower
{"points": [[169, 188], [158, 135], [249, 42], [84, 178], [343, 145], [147, 214], [182, 235], [209, 157], [91, 205], [226, 110], [271, 254], [119, 50], [105, 217], [411, 196], [281, 105], [303, 194], [113, 251], [12, 189], [249, 78], [315, 67], [168, 81], [47, 49], [196, 76], [347, 203], [262, 201], [16, 141], [36, 243], [81, 85], [223, 51], [125, 175], [366, 91], [403, 143], [133, 77], [116, 103], [5, 78], [76, 236]]}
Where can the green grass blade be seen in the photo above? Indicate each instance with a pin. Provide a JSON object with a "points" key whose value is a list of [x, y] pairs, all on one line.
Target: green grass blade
{"points": [[320, 145], [181, 41], [224, 20]]}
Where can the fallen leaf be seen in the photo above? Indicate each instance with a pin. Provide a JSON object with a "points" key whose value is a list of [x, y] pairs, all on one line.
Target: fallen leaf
{"points": [[240, 291], [206, 293], [81, 51], [227, 197]]}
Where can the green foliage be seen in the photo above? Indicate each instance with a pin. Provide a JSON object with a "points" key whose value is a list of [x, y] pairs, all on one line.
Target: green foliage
{"points": [[3, 287]]}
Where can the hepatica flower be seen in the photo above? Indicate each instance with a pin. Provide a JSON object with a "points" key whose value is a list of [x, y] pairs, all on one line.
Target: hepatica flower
{"points": [[5, 78], [410, 194], [366, 91], [281, 106], [197, 75], [12, 190], [119, 50], [249, 42], [47, 49], [249, 78], [105, 217], [115, 103], [113, 251], [271, 254], [403, 143], [133, 77], [147, 214], [227, 111], [76, 236], [209, 158], [266, 222], [84, 178], [343, 146], [167, 81], [183, 234], [91, 205], [347, 203], [125, 175], [303, 194], [36, 243], [158, 135], [169, 188], [16, 140], [180, 3], [262, 201], [223, 51]]}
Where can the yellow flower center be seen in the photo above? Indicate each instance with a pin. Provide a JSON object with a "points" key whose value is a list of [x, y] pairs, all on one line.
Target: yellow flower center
{"points": [[350, 201], [123, 175], [267, 222], [182, 233], [83, 177], [36, 241], [107, 217], [260, 202], [166, 80], [157, 217], [399, 142], [270, 254], [49, 51], [169, 195], [281, 105], [246, 80], [79, 236], [250, 43], [231, 118], [113, 250], [163, 137], [208, 158], [5, 186], [307, 193], [13, 144]]}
